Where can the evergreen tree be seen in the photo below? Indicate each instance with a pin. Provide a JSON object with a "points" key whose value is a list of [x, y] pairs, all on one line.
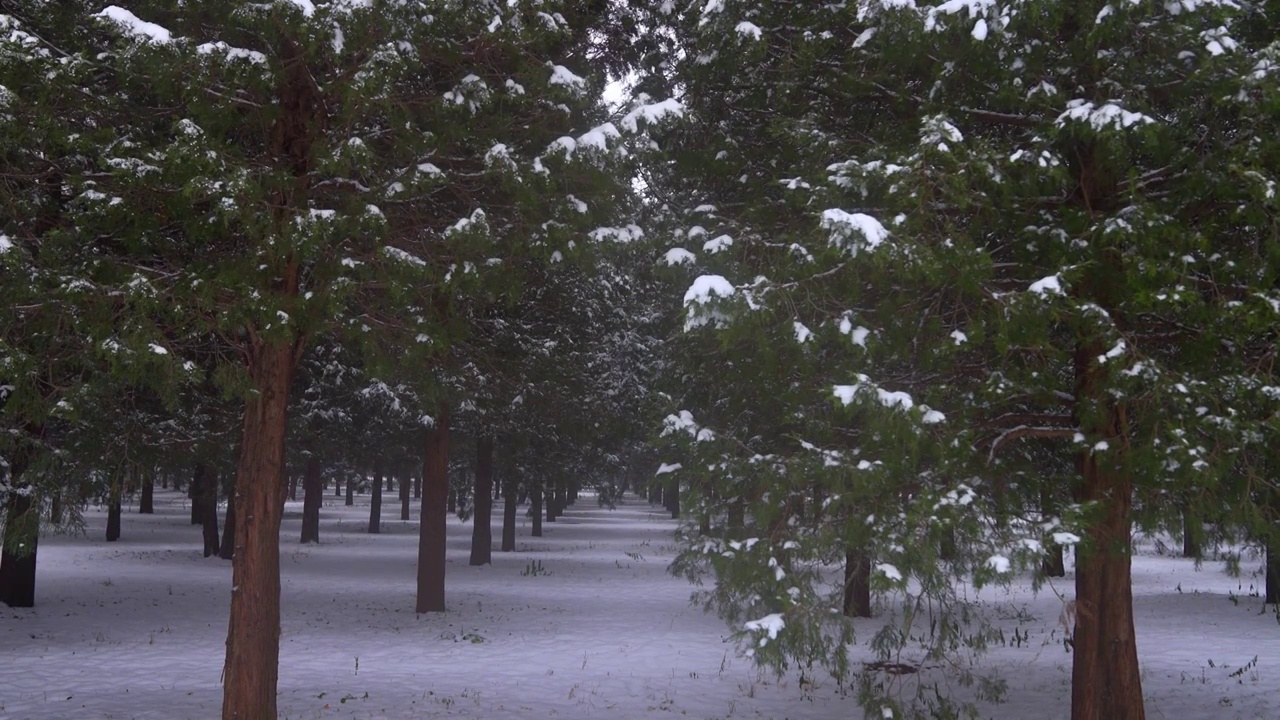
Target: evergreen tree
{"points": [[1053, 273]]}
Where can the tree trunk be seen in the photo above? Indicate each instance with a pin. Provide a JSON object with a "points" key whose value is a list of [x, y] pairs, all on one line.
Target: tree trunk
{"points": [[1191, 530], [1273, 570], [253, 633], [351, 492], [1105, 681], [293, 487], [375, 502], [18, 554], [337, 487], [147, 502], [227, 551], [417, 488], [508, 514], [481, 531], [737, 519], [209, 513], [672, 496], [194, 490], [113, 516], [405, 493], [857, 584], [536, 499], [55, 508], [1054, 563], [431, 529], [312, 492]]}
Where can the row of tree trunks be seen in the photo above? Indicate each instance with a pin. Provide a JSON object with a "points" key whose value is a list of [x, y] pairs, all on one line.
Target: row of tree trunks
{"points": [[312, 492], [431, 530], [375, 502], [21, 537], [481, 531]]}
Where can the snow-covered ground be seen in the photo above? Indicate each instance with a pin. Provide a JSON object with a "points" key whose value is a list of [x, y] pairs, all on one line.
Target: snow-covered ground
{"points": [[582, 623]]}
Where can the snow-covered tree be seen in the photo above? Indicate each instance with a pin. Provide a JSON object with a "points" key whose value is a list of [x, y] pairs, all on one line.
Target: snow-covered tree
{"points": [[1003, 239], [266, 174]]}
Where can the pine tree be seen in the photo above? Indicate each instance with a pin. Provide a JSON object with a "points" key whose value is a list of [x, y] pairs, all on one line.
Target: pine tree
{"points": [[1053, 273]]}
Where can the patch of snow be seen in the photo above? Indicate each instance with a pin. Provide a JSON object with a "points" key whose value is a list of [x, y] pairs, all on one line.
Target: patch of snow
{"points": [[135, 26]]}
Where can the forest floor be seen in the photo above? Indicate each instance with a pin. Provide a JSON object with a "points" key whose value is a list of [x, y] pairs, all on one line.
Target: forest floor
{"points": [[584, 622]]}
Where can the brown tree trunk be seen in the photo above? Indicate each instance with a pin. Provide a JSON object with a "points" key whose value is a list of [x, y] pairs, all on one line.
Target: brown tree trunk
{"points": [[351, 492], [209, 513], [147, 501], [114, 510], [431, 529], [1190, 533], [1105, 680], [481, 531], [1273, 573], [536, 500], [375, 502], [405, 492], [857, 584], [672, 496], [293, 487], [253, 633], [508, 514], [312, 497], [417, 488], [18, 549]]}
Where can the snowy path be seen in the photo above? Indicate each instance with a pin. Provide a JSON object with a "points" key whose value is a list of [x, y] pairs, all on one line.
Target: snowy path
{"points": [[135, 629]]}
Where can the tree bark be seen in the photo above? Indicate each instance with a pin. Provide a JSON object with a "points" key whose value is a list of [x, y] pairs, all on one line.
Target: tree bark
{"points": [[431, 530], [1105, 679], [1273, 570], [312, 497], [405, 493], [857, 584], [375, 502], [293, 487], [508, 514], [113, 516], [536, 499], [337, 487], [672, 496], [147, 501], [209, 513], [417, 488], [55, 508], [21, 537], [253, 633], [1190, 534], [481, 530], [351, 492]]}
